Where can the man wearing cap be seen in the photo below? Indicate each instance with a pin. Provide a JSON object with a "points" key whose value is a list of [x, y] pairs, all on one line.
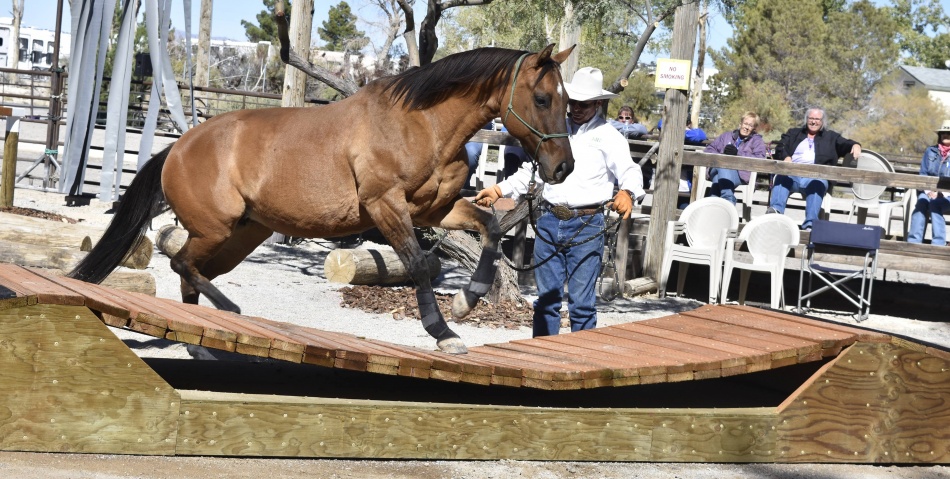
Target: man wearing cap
{"points": [[572, 211], [932, 204]]}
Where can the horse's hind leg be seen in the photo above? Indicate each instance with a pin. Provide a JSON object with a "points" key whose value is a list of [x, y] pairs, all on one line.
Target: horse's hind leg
{"points": [[203, 258], [393, 221]]}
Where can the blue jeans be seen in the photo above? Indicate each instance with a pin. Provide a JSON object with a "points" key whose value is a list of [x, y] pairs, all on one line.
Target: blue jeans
{"points": [[578, 266], [724, 183], [812, 189], [473, 150], [918, 220]]}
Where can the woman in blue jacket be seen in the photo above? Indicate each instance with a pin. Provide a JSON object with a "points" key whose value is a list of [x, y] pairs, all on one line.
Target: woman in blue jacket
{"points": [[934, 203]]}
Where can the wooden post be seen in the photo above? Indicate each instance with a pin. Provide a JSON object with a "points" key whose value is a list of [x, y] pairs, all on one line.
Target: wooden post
{"points": [[670, 156], [621, 252], [10, 147]]}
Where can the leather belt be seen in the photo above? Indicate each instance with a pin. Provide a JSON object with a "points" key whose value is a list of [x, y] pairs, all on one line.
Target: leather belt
{"points": [[564, 212]]}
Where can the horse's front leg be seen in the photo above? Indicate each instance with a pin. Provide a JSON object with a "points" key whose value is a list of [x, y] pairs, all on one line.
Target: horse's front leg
{"points": [[467, 216], [392, 219]]}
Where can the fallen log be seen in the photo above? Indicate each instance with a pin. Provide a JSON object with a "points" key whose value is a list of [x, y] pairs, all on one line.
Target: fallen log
{"points": [[38, 231], [122, 279], [370, 266], [170, 239], [42, 256], [138, 258]]}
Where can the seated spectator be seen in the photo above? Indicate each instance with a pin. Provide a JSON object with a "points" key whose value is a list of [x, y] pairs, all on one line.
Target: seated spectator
{"points": [[809, 144], [473, 150], [514, 156], [932, 204], [695, 137], [743, 141], [628, 124]]}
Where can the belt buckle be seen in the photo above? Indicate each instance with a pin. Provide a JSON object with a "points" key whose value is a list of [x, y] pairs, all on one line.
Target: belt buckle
{"points": [[561, 212]]}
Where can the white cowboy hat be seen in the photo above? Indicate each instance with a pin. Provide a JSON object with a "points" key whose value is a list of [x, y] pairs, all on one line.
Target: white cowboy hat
{"points": [[943, 128], [588, 84]]}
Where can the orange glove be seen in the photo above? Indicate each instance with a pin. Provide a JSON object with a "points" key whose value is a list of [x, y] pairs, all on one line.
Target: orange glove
{"points": [[623, 203], [488, 196]]}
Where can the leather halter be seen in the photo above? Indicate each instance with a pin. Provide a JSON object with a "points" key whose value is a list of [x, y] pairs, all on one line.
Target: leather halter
{"points": [[511, 110]]}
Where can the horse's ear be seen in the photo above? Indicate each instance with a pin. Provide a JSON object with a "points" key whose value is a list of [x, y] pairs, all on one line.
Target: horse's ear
{"points": [[545, 55], [561, 57]]}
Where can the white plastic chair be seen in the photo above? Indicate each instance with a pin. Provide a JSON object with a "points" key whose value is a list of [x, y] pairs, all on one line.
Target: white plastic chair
{"points": [[747, 190], [706, 223], [768, 239], [868, 196]]}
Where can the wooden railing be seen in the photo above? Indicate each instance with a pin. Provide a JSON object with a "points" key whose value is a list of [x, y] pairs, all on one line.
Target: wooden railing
{"points": [[896, 255]]}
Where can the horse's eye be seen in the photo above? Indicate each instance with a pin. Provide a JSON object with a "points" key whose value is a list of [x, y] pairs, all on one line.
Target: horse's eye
{"points": [[541, 101]]}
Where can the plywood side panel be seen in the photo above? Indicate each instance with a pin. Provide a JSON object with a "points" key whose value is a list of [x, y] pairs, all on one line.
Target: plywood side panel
{"points": [[256, 425], [67, 384], [878, 402]]}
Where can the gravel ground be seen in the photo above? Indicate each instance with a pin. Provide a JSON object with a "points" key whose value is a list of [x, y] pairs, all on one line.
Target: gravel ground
{"points": [[279, 282]]}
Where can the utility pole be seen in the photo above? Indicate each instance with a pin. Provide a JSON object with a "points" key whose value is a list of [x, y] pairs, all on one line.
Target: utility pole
{"points": [[670, 156]]}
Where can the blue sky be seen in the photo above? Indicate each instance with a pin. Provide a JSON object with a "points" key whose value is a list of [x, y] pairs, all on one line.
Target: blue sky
{"points": [[227, 16]]}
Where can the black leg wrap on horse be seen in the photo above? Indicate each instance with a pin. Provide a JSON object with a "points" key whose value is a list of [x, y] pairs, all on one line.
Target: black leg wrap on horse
{"points": [[484, 273], [432, 319]]}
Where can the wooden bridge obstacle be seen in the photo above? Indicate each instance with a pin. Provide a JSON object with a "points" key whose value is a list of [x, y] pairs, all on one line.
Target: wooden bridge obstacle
{"points": [[838, 393]]}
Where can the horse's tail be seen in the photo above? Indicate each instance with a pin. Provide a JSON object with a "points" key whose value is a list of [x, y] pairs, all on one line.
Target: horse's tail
{"points": [[140, 203]]}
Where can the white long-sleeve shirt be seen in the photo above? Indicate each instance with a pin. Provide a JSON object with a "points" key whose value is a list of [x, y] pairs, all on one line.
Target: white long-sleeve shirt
{"points": [[601, 159]]}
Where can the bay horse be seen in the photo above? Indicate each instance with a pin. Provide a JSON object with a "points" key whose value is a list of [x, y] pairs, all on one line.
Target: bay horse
{"points": [[389, 156]]}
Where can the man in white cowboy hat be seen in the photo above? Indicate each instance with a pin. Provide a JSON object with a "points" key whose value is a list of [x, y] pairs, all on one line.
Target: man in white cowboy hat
{"points": [[932, 204], [569, 245]]}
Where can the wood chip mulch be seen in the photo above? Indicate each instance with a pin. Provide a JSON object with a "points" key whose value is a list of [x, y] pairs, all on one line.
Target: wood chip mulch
{"points": [[400, 302], [16, 210]]}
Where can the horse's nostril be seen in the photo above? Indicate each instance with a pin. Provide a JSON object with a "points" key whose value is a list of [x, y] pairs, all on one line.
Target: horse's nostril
{"points": [[562, 170]]}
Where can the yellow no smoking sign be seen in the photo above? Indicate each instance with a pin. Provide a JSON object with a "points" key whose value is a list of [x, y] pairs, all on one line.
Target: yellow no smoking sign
{"points": [[673, 73]]}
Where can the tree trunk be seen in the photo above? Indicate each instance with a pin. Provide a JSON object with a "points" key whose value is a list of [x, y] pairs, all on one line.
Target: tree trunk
{"points": [[41, 232], [13, 50], [295, 80], [170, 239], [138, 258], [44, 256], [570, 35], [697, 94], [370, 266], [131, 281], [202, 69], [465, 249]]}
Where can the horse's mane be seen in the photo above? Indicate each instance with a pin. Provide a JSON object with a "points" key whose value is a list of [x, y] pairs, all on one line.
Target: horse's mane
{"points": [[458, 74]]}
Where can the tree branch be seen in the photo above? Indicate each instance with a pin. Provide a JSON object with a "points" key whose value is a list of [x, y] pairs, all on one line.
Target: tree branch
{"points": [[412, 48], [617, 86], [290, 57]]}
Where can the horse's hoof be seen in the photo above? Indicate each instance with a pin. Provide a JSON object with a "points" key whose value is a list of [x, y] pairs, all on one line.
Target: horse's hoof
{"points": [[460, 306], [452, 346]]}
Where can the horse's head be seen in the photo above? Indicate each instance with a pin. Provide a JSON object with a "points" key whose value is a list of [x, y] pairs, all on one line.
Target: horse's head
{"points": [[536, 111]]}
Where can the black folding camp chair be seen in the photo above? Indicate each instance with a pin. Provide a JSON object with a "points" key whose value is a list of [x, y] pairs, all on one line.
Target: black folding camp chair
{"points": [[847, 239]]}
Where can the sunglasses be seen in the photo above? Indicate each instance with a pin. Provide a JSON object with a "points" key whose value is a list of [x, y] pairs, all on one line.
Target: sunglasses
{"points": [[624, 118], [581, 104]]}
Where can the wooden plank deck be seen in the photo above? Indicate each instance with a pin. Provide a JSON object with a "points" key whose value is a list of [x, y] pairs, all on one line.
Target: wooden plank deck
{"points": [[711, 341]]}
